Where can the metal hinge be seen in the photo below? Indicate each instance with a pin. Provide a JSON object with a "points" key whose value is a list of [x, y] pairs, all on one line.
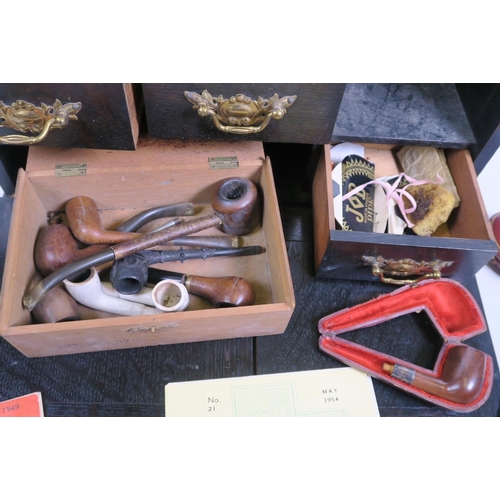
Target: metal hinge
{"points": [[218, 162], [71, 169]]}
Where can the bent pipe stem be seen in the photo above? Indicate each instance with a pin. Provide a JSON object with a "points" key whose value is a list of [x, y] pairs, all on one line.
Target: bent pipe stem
{"points": [[137, 221]]}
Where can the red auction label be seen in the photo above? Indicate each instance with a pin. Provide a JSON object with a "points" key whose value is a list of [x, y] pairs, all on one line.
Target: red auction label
{"points": [[24, 406]]}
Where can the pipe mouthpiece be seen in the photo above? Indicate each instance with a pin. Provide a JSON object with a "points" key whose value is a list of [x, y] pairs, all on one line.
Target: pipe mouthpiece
{"points": [[387, 367]]}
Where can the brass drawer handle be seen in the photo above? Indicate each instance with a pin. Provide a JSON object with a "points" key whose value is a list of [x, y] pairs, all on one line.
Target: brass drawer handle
{"points": [[404, 267], [240, 114], [26, 117]]}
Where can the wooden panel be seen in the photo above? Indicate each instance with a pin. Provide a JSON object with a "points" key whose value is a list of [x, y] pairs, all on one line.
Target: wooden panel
{"points": [[141, 178], [425, 114], [309, 120], [28, 216], [322, 200], [108, 118]]}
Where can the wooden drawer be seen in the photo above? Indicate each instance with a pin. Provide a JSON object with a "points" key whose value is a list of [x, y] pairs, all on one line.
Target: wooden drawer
{"points": [[309, 120], [123, 183], [465, 245], [106, 116]]}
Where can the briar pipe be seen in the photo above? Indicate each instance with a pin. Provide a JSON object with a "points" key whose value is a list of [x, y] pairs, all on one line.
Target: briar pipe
{"points": [[236, 209], [56, 306], [226, 291], [130, 275], [56, 247], [56, 244], [461, 379], [85, 221]]}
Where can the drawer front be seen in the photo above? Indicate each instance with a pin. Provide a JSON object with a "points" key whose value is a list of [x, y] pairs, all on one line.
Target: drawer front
{"points": [[309, 119], [393, 258], [101, 115]]}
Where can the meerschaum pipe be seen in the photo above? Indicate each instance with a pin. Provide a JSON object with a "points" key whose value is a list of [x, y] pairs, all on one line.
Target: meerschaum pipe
{"points": [[226, 291], [155, 296], [236, 209], [143, 296], [461, 379], [90, 293]]}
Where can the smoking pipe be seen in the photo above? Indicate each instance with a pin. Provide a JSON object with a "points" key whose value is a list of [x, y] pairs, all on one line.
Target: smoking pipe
{"points": [[89, 292], [56, 247], [226, 291], [236, 209], [130, 275], [85, 221], [56, 306], [461, 379]]}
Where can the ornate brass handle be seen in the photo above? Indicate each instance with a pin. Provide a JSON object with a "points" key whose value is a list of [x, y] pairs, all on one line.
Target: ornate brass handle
{"points": [[26, 117], [240, 114], [404, 267]]}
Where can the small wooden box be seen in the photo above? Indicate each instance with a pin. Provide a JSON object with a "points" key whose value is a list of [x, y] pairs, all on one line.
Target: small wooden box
{"points": [[459, 248], [123, 183]]}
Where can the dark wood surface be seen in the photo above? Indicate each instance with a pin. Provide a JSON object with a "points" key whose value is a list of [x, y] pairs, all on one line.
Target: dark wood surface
{"points": [[131, 382], [427, 114], [103, 122], [481, 103], [310, 119]]}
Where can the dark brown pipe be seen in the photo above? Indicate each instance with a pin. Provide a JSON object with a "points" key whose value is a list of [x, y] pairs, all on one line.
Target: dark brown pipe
{"points": [[236, 209], [56, 247], [460, 381], [226, 291], [56, 306]]}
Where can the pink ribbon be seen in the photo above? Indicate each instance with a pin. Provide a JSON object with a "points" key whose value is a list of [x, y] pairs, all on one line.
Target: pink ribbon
{"points": [[397, 194]]}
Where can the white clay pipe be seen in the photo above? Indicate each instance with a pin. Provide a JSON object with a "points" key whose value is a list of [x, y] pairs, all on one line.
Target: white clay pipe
{"points": [[90, 293], [167, 296], [142, 297]]}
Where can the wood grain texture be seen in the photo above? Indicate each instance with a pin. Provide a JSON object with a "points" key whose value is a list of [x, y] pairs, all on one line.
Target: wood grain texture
{"points": [[309, 120], [108, 118]]}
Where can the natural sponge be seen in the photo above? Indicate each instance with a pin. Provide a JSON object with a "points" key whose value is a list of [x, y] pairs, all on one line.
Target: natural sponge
{"points": [[434, 206]]}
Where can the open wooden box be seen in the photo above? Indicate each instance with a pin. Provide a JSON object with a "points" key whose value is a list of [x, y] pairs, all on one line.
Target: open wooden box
{"points": [[458, 249], [123, 183]]}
